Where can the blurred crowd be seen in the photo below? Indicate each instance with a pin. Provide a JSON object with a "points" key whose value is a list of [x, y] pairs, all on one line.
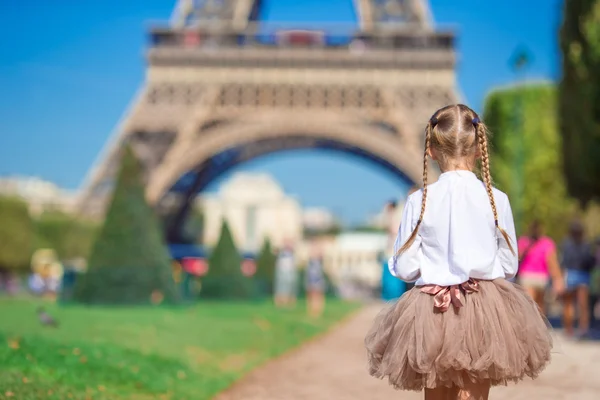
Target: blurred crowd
{"points": [[566, 275], [286, 283]]}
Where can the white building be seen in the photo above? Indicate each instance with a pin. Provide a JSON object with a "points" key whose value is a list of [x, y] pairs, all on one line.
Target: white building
{"points": [[41, 195], [384, 220], [318, 219], [256, 208], [352, 260], [355, 258]]}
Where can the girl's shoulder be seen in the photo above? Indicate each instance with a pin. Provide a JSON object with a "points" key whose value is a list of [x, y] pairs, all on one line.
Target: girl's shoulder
{"points": [[499, 195], [416, 195], [415, 198]]}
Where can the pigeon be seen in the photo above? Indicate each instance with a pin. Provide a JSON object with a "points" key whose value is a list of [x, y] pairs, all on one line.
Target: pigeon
{"points": [[45, 318]]}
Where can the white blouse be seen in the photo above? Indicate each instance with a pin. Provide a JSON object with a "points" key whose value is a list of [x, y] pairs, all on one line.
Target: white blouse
{"points": [[457, 239]]}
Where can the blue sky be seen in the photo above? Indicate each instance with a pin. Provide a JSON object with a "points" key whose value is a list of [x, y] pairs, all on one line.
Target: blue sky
{"points": [[68, 69]]}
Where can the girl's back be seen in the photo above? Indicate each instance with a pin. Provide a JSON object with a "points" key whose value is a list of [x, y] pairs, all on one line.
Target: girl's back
{"points": [[463, 327], [457, 237]]}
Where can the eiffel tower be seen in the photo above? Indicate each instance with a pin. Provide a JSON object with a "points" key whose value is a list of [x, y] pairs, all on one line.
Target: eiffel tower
{"points": [[223, 88]]}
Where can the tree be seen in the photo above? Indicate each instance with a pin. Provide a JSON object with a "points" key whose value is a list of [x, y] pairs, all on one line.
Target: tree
{"points": [[368, 229], [225, 279], [16, 234], [194, 225], [190, 230], [265, 269], [579, 97], [68, 235], [129, 262], [544, 191]]}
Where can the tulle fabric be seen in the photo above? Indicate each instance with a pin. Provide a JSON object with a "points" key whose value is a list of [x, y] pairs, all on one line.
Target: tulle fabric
{"points": [[498, 335]]}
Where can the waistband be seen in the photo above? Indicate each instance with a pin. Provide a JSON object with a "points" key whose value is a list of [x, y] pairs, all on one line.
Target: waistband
{"points": [[443, 296]]}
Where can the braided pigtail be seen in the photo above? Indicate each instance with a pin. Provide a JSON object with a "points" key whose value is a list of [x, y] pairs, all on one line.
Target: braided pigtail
{"points": [[415, 231], [487, 179]]}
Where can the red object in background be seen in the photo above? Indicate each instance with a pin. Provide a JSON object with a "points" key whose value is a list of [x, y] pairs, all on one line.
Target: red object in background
{"points": [[195, 266], [248, 267], [191, 39], [301, 38]]}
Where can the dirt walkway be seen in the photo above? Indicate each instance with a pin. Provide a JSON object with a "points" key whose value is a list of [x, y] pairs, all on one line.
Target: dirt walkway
{"points": [[334, 368]]}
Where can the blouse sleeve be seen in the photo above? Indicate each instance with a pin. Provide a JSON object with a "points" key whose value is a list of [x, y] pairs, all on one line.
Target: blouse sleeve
{"points": [[508, 259], [406, 265]]}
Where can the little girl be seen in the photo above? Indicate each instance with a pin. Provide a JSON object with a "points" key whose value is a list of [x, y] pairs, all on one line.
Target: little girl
{"points": [[463, 327]]}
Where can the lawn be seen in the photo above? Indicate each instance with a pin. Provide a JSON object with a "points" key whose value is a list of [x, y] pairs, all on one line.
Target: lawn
{"points": [[144, 353]]}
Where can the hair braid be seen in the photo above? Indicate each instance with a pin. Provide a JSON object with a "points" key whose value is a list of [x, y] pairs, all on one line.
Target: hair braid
{"points": [[487, 178], [413, 235]]}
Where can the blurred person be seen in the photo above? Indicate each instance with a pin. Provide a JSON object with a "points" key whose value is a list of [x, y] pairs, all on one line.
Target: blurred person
{"points": [[391, 287], [9, 282], [595, 286], [286, 285], [36, 284], [463, 319], [578, 261], [315, 284], [4, 277], [538, 265]]}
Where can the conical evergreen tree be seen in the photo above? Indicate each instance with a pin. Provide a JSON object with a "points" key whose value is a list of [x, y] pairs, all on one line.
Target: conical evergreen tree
{"points": [[265, 269], [225, 279], [129, 263]]}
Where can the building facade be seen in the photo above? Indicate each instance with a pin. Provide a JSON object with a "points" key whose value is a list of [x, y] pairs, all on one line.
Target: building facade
{"points": [[353, 262], [40, 195], [256, 208], [317, 219]]}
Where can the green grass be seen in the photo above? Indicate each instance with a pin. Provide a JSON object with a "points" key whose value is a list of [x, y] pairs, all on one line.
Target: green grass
{"points": [[144, 353]]}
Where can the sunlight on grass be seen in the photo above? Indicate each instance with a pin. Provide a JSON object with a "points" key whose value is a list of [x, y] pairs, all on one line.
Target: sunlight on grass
{"points": [[145, 353]]}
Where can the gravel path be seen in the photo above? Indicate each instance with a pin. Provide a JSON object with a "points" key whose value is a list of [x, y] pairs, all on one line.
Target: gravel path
{"points": [[333, 367]]}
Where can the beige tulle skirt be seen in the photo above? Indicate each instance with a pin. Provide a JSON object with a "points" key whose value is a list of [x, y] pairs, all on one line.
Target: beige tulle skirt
{"points": [[499, 334]]}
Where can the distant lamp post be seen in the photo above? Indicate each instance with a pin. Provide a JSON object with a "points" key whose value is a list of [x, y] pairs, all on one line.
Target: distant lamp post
{"points": [[519, 62], [520, 59]]}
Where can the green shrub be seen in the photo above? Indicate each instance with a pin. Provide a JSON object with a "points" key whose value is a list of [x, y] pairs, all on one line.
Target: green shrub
{"points": [[225, 279], [265, 269], [69, 236], [579, 97], [526, 146], [16, 234], [129, 261]]}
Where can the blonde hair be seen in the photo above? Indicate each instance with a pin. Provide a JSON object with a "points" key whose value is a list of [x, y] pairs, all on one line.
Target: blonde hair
{"points": [[457, 136]]}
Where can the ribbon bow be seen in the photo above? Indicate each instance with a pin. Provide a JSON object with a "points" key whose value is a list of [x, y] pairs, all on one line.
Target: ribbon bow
{"points": [[443, 296]]}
